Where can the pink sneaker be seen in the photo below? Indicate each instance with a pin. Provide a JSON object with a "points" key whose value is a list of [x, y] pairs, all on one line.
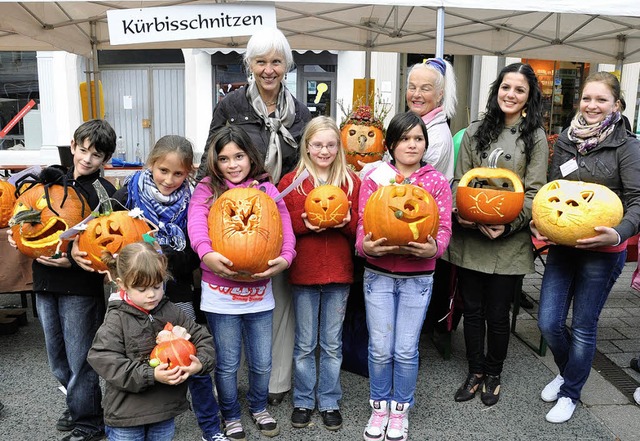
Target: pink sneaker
{"points": [[377, 425], [398, 428]]}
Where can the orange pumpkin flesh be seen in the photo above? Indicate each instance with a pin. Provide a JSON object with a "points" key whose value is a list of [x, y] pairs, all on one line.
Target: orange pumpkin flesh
{"points": [[401, 213], [7, 201], [36, 228], [362, 143], [110, 233], [326, 206], [565, 211], [486, 205], [245, 227], [175, 352]]}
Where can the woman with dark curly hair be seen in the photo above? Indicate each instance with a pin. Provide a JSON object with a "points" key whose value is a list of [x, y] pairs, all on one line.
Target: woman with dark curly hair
{"points": [[492, 259]]}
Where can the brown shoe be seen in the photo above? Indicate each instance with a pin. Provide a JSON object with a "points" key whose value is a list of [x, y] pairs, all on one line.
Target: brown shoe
{"points": [[469, 388]]}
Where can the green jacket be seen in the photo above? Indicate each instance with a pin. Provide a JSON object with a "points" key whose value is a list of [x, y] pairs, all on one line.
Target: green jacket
{"points": [[511, 253]]}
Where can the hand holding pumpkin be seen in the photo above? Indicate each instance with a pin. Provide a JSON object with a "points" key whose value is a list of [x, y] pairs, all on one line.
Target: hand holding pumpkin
{"points": [[162, 374], [377, 248], [463, 222], [491, 231], [219, 265], [607, 237], [80, 257], [59, 262], [276, 266], [11, 240], [422, 250]]}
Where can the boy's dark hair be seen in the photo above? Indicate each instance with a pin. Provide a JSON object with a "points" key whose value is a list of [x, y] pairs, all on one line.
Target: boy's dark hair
{"points": [[100, 135]]}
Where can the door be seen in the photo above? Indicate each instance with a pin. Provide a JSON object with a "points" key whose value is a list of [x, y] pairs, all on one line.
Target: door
{"points": [[319, 89]]}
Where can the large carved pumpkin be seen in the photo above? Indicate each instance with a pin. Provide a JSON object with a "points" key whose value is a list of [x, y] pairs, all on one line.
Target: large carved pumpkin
{"points": [[245, 227], [402, 213], [362, 137], [7, 201], [39, 218], [488, 205], [110, 232], [171, 348], [326, 206], [565, 211]]}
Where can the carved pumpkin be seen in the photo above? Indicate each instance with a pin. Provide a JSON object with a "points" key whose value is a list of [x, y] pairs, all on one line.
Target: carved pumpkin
{"points": [[362, 137], [565, 211], [110, 232], [245, 227], [7, 201], [37, 225], [401, 213], [326, 206], [487, 205], [171, 348]]}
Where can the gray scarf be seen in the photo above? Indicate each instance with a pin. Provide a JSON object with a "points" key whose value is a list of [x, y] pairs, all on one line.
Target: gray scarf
{"points": [[284, 116]]}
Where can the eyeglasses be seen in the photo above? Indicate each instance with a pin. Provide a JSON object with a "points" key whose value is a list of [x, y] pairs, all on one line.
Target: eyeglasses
{"points": [[317, 147]]}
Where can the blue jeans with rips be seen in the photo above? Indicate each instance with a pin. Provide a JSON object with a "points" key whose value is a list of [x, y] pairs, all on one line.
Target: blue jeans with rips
{"points": [[229, 332], [69, 323], [161, 431], [396, 308], [586, 278], [318, 308]]}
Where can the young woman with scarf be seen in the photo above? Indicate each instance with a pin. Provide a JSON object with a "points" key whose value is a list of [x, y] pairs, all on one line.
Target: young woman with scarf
{"points": [[595, 148], [274, 120]]}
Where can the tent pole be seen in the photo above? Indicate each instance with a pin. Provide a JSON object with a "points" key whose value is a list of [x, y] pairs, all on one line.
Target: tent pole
{"points": [[622, 41], [367, 71], [440, 32], [95, 70]]}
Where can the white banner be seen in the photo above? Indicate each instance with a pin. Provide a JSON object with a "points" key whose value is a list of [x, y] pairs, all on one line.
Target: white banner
{"points": [[188, 22]]}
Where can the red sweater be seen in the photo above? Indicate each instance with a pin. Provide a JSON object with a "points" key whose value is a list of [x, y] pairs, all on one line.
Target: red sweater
{"points": [[325, 257]]}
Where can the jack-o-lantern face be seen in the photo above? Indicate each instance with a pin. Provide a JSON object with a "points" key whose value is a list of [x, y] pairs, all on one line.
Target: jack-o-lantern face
{"points": [[245, 227], [487, 205], [7, 201], [37, 225], [401, 213], [110, 233], [326, 206], [565, 211], [362, 143]]}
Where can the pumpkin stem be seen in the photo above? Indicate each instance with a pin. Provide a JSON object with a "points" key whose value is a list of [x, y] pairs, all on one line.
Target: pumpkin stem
{"points": [[105, 201], [493, 158]]}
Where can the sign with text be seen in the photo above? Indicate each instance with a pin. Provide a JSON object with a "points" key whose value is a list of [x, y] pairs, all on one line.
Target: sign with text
{"points": [[187, 22]]}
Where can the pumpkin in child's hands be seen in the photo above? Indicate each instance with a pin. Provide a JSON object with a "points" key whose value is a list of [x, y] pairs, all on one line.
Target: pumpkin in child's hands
{"points": [[326, 206], [402, 213], [173, 347], [245, 227], [565, 211], [487, 205], [7, 201]]}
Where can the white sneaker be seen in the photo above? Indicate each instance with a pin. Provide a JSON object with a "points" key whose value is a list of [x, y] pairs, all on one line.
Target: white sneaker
{"points": [[550, 391], [398, 428], [636, 395], [562, 411], [377, 425]]}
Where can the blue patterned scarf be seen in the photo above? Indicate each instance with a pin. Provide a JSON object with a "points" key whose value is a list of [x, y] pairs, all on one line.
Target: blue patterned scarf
{"points": [[169, 213]]}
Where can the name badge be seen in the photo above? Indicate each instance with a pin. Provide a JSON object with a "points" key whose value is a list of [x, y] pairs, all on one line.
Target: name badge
{"points": [[569, 167]]}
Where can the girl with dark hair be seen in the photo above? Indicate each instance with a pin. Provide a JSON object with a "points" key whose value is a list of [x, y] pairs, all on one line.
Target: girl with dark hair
{"points": [[492, 259]]}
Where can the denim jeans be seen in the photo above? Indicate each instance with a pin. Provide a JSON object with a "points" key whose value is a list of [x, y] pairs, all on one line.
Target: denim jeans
{"points": [[318, 307], [229, 332], [396, 308], [161, 431], [487, 300], [69, 323], [586, 277], [204, 404]]}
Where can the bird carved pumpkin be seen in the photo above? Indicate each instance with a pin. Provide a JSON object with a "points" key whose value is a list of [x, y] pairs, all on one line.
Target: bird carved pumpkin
{"points": [[7, 201], [245, 227], [565, 211], [362, 137], [46, 207], [402, 213], [173, 347], [326, 206]]}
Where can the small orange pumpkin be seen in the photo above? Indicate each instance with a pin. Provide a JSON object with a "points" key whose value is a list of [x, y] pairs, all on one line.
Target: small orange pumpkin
{"points": [[326, 206], [40, 217], [362, 137], [171, 349], [245, 227], [402, 213], [486, 205], [565, 211], [7, 201]]}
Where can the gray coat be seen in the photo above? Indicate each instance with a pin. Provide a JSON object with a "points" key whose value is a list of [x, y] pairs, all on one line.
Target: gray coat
{"points": [[512, 253]]}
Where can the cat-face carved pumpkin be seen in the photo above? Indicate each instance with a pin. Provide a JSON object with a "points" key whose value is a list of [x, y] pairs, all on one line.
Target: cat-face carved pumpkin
{"points": [[7, 201], [245, 227], [326, 206], [565, 211], [401, 213], [37, 225], [487, 205], [110, 233]]}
